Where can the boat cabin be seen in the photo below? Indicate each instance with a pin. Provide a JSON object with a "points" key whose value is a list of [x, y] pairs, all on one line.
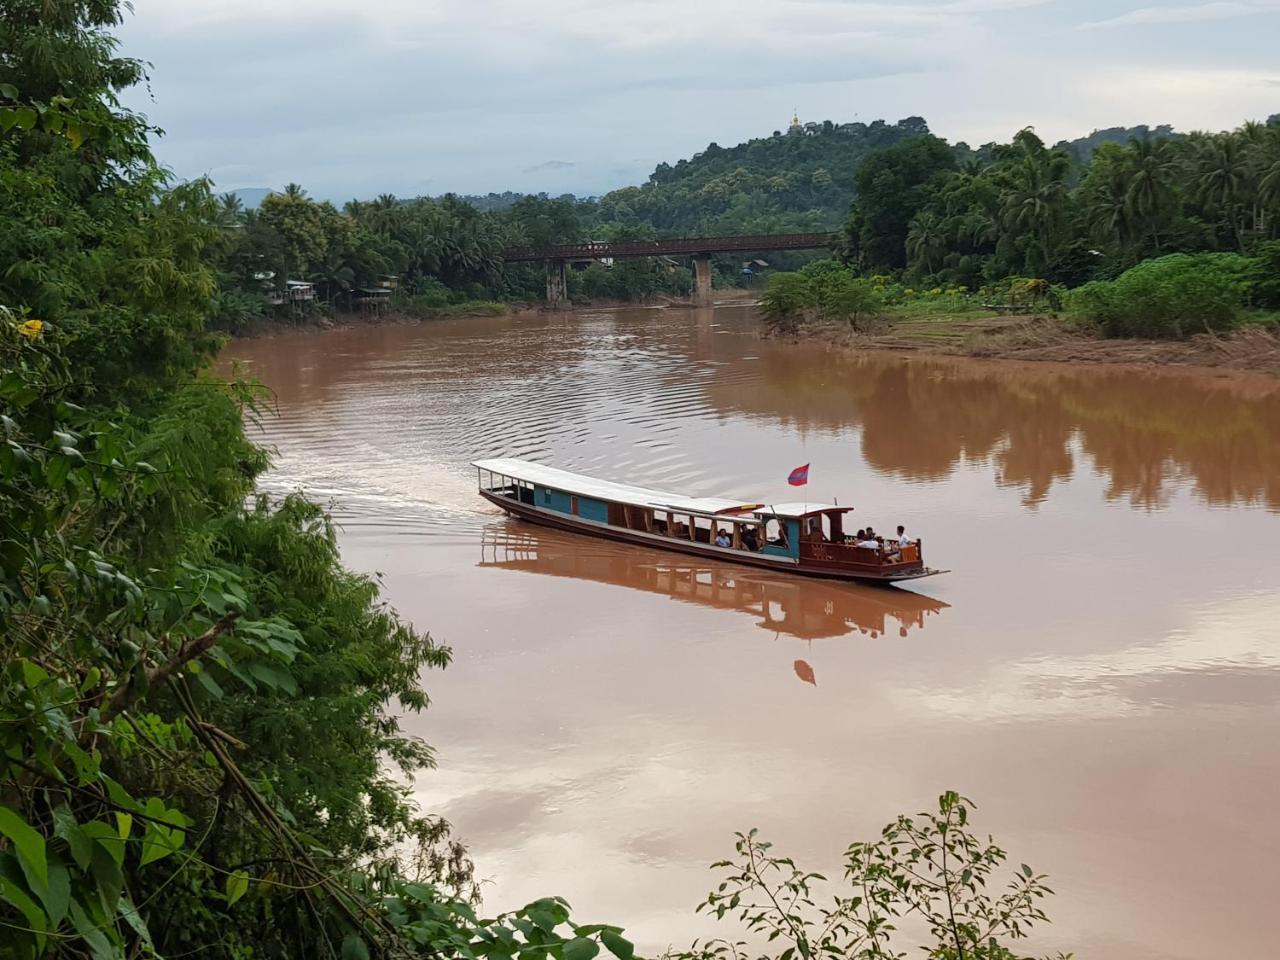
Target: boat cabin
{"points": [[804, 537]]}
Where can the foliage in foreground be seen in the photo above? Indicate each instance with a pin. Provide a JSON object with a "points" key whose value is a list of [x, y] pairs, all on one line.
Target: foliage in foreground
{"points": [[929, 870], [199, 743]]}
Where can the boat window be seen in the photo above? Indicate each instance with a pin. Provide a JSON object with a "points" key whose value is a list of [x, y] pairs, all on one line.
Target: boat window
{"points": [[816, 529], [546, 495], [681, 526], [661, 522], [638, 518], [775, 533]]}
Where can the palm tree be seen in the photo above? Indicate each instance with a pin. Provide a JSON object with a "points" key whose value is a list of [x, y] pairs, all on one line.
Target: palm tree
{"points": [[1222, 179], [294, 191], [1035, 196], [1150, 194], [1269, 190], [1108, 209], [230, 210], [926, 238], [334, 274], [1266, 157]]}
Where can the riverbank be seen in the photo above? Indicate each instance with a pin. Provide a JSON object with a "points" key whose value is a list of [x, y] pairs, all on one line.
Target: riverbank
{"points": [[1252, 348], [271, 327]]}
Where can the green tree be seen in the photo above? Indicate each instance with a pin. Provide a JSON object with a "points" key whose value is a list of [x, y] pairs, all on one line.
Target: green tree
{"points": [[926, 240], [1222, 181], [1034, 199], [892, 186], [1150, 194]]}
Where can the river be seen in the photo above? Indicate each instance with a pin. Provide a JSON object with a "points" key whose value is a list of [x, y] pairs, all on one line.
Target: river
{"points": [[1100, 671]]}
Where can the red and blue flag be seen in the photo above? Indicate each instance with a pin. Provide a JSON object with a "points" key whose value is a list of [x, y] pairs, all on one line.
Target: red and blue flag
{"points": [[799, 476]]}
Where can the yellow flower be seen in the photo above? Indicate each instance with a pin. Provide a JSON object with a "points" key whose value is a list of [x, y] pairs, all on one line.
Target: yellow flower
{"points": [[31, 328]]}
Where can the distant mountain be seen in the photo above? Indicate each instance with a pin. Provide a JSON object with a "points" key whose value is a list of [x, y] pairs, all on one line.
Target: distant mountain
{"points": [[1082, 150], [493, 202]]}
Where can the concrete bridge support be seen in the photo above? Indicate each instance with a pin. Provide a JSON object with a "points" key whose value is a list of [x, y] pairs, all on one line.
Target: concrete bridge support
{"points": [[557, 284], [702, 278]]}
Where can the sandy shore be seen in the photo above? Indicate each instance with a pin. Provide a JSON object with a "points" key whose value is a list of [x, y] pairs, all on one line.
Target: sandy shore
{"points": [[1030, 338]]}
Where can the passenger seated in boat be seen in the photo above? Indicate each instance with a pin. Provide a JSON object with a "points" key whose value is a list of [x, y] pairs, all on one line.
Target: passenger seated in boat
{"points": [[723, 539], [903, 539], [749, 539], [866, 540]]}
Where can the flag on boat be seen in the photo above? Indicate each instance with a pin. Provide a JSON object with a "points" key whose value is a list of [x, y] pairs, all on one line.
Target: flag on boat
{"points": [[799, 476]]}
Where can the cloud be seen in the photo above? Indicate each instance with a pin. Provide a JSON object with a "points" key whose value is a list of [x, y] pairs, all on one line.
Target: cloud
{"points": [[473, 97], [1196, 14], [550, 165]]}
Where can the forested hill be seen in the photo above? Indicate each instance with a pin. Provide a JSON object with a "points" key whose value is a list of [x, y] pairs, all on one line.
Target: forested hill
{"points": [[801, 179], [798, 180]]}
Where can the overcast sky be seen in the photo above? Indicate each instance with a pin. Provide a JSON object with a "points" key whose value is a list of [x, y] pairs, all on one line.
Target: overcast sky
{"points": [[359, 97]]}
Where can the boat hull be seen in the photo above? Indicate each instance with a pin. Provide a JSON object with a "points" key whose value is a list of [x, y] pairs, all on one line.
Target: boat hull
{"points": [[808, 568]]}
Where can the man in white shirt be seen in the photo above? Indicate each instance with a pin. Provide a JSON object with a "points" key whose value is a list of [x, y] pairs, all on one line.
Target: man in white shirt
{"points": [[903, 539]]}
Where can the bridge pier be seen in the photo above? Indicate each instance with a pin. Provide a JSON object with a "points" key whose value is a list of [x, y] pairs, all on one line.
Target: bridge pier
{"points": [[557, 284], [702, 278]]}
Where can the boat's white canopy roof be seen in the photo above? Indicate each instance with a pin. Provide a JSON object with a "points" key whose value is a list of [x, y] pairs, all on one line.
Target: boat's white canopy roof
{"points": [[637, 496], [804, 509]]}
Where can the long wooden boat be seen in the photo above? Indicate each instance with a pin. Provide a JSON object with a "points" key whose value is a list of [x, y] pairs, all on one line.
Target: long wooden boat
{"points": [[804, 538]]}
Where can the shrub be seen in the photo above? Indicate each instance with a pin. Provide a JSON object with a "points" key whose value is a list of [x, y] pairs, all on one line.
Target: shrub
{"points": [[236, 312], [430, 292], [932, 867], [1264, 275], [848, 298], [785, 300], [1168, 298]]}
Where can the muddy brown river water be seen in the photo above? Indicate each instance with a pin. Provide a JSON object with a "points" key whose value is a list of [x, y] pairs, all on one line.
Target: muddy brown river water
{"points": [[1100, 672]]}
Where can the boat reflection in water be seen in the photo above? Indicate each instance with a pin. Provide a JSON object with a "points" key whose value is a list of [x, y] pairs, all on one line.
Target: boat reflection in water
{"points": [[783, 605]]}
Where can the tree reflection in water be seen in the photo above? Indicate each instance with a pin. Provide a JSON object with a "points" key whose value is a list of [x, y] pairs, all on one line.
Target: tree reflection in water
{"points": [[1146, 431]]}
